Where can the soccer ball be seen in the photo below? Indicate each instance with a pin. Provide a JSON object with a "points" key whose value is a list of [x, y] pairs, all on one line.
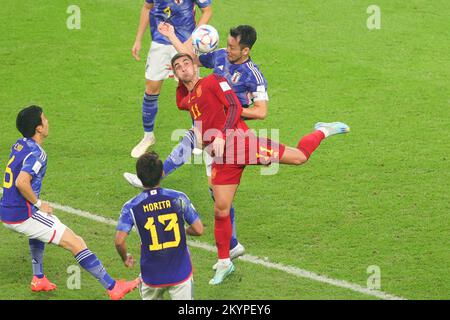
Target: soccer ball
{"points": [[205, 38]]}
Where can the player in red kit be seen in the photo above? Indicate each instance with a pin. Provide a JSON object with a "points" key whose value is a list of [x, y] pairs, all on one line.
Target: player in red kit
{"points": [[216, 112]]}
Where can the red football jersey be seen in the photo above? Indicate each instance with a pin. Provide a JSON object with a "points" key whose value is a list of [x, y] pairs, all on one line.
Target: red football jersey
{"points": [[213, 105]]}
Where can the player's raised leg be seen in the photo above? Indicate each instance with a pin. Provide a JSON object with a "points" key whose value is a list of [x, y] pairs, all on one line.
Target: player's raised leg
{"points": [[309, 143], [116, 289], [180, 155], [149, 111], [224, 195]]}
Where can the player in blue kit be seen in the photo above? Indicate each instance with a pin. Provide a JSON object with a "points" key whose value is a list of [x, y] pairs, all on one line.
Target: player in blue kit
{"points": [[246, 80], [159, 215], [181, 14], [22, 211]]}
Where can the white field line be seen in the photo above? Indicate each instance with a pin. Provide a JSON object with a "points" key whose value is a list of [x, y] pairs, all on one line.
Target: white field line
{"points": [[252, 259]]}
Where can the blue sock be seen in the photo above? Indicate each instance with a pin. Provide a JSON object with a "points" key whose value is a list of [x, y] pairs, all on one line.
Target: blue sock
{"points": [[149, 111], [180, 154], [91, 264], [234, 241], [37, 256]]}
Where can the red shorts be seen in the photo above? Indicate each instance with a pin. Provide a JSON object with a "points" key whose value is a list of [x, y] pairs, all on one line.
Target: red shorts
{"points": [[241, 150]]}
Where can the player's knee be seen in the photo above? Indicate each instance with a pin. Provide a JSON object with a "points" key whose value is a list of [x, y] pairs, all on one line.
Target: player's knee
{"points": [[70, 241], [299, 159], [221, 211], [152, 88], [80, 243]]}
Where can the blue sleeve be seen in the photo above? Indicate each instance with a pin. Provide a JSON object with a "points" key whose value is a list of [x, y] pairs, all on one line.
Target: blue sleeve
{"points": [[203, 3], [186, 207], [208, 60], [32, 165], [125, 222], [255, 81], [149, 1]]}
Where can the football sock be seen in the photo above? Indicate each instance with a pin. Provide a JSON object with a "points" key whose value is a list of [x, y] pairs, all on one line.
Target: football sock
{"points": [[93, 265], [149, 111], [234, 241], [37, 255], [222, 233], [180, 154], [310, 142]]}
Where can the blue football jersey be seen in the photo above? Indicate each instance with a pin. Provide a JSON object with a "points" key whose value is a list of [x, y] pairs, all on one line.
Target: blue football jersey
{"points": [[26, 155], [179, 13], [159, 216], [246, 80]]}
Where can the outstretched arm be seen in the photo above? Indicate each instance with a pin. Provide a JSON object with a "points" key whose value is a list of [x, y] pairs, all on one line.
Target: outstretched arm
{"points": [[168, 31]]}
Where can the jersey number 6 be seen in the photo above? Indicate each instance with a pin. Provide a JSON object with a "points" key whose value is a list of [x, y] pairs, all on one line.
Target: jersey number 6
{"points": [[8, 184]]}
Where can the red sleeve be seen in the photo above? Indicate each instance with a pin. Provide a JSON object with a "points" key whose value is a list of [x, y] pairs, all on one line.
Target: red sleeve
{"points": [[182, 93], [229, 99]]}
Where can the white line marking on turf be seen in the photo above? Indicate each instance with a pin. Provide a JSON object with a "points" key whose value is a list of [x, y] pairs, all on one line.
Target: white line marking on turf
{"points": [[249, 258]]}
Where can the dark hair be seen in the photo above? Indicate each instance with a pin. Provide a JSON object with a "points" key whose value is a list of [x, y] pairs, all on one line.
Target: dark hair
{"points": [[28, 120], [149, 169], [178, 56], [246, 35]]}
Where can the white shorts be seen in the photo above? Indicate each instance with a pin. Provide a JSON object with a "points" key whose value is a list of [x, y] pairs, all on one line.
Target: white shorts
{"points": [[208, 163], [182, 291], [158, 61], [41, 226]]}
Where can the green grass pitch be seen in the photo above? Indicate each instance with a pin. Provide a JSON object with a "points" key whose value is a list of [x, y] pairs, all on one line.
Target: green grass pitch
{"points": [[378, 196]]}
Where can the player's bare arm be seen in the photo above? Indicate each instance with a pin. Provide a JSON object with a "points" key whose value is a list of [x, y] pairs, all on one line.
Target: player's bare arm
{"points": [[257, 111], [195, 229], [143, 24], [23, 184], [121, 247], [168, 31], [206, 16]]}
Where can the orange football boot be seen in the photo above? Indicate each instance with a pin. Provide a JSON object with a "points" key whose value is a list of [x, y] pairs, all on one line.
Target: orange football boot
{"points": [[121, 288], [42, 284]]}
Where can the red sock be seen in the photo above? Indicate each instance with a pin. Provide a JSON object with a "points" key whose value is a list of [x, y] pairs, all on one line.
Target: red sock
{"points": [[223, 232], [310, 142]]}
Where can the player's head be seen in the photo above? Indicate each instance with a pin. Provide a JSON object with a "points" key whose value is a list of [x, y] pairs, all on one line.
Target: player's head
{"points": [[31, 121], [183, 67], [240, 42], [149, 169]]}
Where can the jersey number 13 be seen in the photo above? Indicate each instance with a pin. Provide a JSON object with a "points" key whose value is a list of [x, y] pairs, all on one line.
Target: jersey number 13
{"points": [[170, 226]]}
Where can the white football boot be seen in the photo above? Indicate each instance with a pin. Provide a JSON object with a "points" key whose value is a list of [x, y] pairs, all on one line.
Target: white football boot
{"points": [[332, 128], [133, 180], [222, 271], [146, 142]]}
